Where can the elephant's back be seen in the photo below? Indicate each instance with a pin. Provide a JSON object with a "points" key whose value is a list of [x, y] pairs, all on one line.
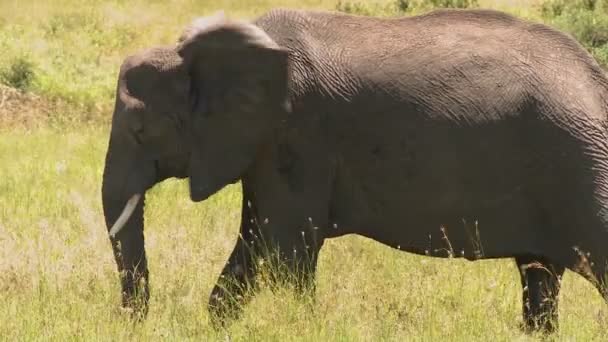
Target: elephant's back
{"points": [[461, 68], [481, 44], [444, 29]]}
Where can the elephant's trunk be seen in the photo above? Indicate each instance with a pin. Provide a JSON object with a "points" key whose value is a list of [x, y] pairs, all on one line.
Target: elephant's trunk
{"points": [[123, 204], [125, 215]]}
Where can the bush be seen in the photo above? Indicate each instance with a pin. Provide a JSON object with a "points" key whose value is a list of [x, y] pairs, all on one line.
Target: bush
{"points": [[371, 8], [452, 3], [19, 75], [352, 7], [552, 8], [399, 7], [403, 5]]}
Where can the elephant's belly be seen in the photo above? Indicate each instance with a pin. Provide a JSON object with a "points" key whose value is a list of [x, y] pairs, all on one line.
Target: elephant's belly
{"points": [[454, 205], [487, 186], [488, 229]]}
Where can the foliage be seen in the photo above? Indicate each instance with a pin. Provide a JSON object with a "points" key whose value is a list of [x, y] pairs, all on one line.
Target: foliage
{"points": [[19, 75], [452, 3], [399, 7], [373, 8], [403, 5]]}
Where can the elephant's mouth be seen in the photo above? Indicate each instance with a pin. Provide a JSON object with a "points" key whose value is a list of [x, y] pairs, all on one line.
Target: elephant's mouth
{"points": [[175, 168], [131, 204], [143, 183]]}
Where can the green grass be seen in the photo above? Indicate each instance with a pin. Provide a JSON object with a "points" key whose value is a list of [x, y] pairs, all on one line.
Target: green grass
{"points": [[57, 275]]}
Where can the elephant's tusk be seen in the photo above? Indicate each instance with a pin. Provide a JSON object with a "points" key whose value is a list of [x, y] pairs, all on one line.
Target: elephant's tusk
{"points": [[124, 216]]}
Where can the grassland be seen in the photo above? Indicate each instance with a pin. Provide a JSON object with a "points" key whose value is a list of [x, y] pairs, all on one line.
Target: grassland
{"points": [[57, 275]]}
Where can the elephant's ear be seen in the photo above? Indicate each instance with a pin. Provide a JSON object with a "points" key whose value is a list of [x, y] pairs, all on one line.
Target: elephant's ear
{"points": [[239, 82]]}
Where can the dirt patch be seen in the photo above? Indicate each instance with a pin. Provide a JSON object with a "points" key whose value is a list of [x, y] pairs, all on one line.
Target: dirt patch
{"points": [[27, 110], [20, 109]]}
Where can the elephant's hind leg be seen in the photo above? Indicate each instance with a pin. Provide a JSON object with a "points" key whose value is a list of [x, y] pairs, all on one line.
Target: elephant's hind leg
{"points": [[540, 280]]}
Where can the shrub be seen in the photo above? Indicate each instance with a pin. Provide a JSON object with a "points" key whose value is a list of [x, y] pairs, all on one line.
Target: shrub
{"points": [[398, 7], [371, 8], [451, 3], [552, 8], [403, 5], [351, 7], [19, 75]]}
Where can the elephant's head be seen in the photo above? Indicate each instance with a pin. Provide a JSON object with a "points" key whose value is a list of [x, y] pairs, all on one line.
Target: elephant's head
{"points": [[238, 93], [200, 109]]}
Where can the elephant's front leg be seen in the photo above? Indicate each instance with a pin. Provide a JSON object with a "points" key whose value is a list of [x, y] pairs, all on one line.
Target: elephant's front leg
{"points": [[295, 254], [291, 257], [284, 220], [130, 256], [238, 275], [134, 275]]}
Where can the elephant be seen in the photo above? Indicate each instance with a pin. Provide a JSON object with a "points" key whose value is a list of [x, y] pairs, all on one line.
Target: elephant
{"points": [[455, 133]]}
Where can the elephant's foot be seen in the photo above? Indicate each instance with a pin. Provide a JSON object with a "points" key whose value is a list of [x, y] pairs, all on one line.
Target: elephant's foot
{"points": [[541, 282], [541, 319], [135, 296], [232, 288], [135, 307], [226, 303]]}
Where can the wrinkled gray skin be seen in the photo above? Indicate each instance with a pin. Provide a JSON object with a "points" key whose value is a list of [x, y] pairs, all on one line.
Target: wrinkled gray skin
{"points": [[457, 133]]}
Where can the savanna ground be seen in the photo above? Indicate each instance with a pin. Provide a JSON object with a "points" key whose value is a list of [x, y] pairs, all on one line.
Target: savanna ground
{"points": [[58, 66]]}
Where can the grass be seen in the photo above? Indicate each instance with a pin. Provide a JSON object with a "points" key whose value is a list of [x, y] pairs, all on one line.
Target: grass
{"points": [[57, 275]]}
